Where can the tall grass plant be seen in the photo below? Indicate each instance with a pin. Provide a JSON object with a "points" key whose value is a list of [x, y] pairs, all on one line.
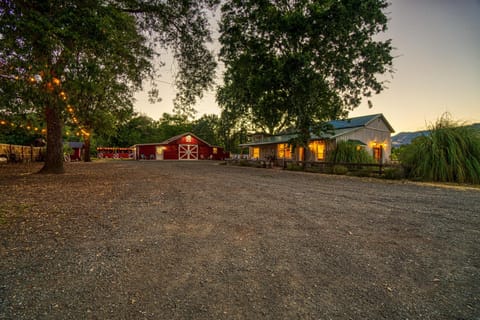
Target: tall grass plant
{"points": [[450, 153], [348, 152]]}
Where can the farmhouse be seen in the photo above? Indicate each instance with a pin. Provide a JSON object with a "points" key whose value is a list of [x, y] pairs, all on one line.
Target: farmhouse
{"points": [[186, 146], [371, 132]]}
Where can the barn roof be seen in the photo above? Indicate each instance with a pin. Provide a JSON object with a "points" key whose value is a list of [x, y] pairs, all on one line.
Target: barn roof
{"points": [[75, 144], [341, 127], [174, 138], [182, 135]]}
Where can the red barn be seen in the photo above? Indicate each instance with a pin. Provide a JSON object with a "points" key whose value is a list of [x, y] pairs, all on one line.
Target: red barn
{"points": [[186, 146]]}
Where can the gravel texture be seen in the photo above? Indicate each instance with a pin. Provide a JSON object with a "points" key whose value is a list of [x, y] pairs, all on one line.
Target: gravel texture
{"points": [[200, 240]]}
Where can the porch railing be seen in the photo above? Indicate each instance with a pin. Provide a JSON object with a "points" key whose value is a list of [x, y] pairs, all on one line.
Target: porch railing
{"points": [[317, 166]]}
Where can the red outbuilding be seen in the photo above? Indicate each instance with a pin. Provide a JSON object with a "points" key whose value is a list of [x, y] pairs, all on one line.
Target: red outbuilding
{"points": [[186, 146]]}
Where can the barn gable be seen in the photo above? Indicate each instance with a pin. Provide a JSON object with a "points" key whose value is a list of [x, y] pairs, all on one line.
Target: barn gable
{"points": [[185, 138]]}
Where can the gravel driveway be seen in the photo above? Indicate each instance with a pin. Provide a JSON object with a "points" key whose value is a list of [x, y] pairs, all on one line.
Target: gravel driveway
{"points": [[200, 240]]}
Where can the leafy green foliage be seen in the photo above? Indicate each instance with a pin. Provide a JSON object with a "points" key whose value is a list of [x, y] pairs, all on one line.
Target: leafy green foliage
{"points": [[207, 128], [295, 64], [18, 136], [348, 152], [394, 173], [143, 129], [450, 153], [339, 169], [97, 53]]}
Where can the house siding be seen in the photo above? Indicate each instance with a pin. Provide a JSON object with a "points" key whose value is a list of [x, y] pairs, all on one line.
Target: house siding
{"points": [[369, 136], [373, 131]]}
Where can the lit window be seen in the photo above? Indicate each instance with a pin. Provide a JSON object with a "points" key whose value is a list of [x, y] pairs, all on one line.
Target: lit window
{"points": [[256, 152], [188, 138], [284, 151], [214, 151], [318, 149]]}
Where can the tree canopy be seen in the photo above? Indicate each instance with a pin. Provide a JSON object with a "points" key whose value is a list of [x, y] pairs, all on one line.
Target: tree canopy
{"points": [[93, 54], [298, 63]]}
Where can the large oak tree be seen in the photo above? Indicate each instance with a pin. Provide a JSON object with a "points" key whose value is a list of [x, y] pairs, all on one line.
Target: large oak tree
{"points": [[297, 63], [48, 46]]}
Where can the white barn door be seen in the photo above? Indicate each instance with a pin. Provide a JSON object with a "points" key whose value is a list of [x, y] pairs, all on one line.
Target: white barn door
{"points": [[187, 152]]}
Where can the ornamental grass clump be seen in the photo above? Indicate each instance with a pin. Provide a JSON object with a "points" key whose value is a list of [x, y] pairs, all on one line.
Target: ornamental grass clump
{"points": [[449, 153], [348, 152]]}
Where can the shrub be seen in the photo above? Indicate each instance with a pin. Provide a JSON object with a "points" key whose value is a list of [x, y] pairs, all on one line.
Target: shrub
{"points": [[315, 169], [363, 172], [450, 153], [394, 173], [348, 152], [339, 169], [294, 167]]}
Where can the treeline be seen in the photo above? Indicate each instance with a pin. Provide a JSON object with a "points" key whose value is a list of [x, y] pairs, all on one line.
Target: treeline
{"points": [[143, 129], [137, 128]]}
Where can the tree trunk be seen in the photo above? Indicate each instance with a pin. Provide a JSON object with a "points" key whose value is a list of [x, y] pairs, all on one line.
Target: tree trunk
{"points": [[305, 139], [54, 157], [86, 149]]}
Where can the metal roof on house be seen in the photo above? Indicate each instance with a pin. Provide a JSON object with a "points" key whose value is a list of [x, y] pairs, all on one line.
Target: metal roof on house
{"points": [[272, 140], [361, 121], [341, 127]]}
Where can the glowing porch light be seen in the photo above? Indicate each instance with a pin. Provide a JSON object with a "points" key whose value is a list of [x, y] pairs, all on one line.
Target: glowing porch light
{"points": [[375, 144]]}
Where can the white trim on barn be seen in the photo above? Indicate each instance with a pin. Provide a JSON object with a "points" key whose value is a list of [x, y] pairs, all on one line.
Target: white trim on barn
{"points": [[187, 152]]}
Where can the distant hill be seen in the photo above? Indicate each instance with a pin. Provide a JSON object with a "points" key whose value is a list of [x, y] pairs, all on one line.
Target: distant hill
{"points": [[406, 137], [403, 138]]}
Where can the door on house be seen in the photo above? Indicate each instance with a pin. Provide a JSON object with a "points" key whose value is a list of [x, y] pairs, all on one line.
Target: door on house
{"points": [[159, 152], [378, 154], [187, 152]]}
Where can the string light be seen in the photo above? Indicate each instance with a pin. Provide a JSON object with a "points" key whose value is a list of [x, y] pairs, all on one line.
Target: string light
{"points": [[25, 127], [50, 86]]}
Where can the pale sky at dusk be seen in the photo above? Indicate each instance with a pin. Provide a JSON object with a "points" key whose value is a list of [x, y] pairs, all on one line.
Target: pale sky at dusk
{"points": [[437, 50]]}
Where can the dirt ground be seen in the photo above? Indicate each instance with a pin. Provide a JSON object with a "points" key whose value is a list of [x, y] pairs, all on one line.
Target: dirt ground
{"points": [[199, 240]]}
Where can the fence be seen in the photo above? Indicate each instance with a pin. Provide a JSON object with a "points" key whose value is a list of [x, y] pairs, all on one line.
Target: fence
{"points": [[317, 166], [14, 153]]}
